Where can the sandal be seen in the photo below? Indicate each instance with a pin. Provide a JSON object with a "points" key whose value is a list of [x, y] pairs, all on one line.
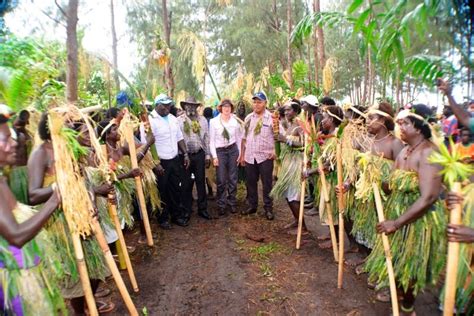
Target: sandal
{"points": [[102, 292], [104, 307]]}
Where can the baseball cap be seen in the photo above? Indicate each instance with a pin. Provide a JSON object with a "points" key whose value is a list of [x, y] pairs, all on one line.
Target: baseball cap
{"points": [[311, 100], [163, 99], [260, 95]]}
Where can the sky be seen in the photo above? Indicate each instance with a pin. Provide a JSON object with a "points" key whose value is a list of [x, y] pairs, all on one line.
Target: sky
{"points": [[94, 17]]}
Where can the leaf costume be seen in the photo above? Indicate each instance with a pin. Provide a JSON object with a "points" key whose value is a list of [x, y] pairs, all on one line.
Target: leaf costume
{"points": [[419, 248], [26, 284]]}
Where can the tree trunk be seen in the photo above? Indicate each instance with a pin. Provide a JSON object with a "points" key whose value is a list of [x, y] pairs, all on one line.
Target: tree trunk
{"points": [[319, 30], [71, 46], [308, 56], [315, 52], [290, 62], [366, 80], [168, 66], [114, 46]]}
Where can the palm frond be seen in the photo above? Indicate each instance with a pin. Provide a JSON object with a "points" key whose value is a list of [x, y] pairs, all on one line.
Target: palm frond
{"points": [[194, 50]]}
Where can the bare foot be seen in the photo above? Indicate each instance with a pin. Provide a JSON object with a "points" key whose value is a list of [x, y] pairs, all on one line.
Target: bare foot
{"points": [[353, 249], [324, 237], [360, 268], [294, 232], [383, 295], [291, 225], [325, 244], [354, 262]]}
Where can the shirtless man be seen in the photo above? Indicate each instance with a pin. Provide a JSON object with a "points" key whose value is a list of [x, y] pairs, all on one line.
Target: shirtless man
{"points": [[381, 125], [415, 132]]}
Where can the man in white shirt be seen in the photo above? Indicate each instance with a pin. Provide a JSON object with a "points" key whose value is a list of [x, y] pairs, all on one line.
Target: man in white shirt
{"points": [[168, 142]]}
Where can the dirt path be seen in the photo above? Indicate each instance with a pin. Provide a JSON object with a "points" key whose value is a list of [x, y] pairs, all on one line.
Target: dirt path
{"points": [[215, 268]]}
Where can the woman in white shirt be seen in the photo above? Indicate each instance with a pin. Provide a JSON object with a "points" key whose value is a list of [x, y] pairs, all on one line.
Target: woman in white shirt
{"points": [[225, 134]]}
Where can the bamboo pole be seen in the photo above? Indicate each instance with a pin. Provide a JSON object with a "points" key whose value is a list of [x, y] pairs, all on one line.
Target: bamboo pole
{"points": [[340, 202], [388, 254], [114, 216], [327, 205], [84, 276], [128, 262], [453, 258], [138, 184], [303, 191], [99, 234]]}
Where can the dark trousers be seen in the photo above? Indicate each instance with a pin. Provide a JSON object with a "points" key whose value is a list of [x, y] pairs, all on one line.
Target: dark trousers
{"points": [[198, 168], [253, 172], [227, 176], [169, 185]]}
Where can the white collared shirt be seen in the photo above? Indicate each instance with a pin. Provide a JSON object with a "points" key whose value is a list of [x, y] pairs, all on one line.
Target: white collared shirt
{"points": [[216, 128], [167, 134]]}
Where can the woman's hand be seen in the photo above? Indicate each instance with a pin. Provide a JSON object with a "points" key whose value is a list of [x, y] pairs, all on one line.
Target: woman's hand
{"points": [[215, 162]]}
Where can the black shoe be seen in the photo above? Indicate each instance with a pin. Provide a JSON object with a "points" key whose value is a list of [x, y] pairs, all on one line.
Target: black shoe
{"points": [[221, 212], [204, 214], [165, 225], [269, 215], [249, 211], [233, 210], [182, 222]]}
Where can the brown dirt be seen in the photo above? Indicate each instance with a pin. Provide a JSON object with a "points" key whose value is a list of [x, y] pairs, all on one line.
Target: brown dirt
{"points": [[219, 267]]}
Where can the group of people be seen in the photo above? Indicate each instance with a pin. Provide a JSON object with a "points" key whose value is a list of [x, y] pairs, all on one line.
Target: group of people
{"points": [[176, 150]]}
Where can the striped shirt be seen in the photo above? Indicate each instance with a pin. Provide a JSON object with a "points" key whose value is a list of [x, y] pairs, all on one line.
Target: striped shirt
{"points": [[195, 141], [259, 146]]}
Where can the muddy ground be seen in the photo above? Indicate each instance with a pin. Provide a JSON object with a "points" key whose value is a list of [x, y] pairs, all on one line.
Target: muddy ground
{"points": [[215, 268]]}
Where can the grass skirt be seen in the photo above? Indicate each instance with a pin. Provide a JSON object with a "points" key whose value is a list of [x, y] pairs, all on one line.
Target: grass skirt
{"points": [[419, 248], [33, 284], [289, 176]]}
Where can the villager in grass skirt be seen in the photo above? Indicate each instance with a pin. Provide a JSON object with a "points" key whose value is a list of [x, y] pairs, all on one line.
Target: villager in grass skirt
{"points": [[419, 248], [27, 288], [328, 157], [372, 169], [288, 184]]}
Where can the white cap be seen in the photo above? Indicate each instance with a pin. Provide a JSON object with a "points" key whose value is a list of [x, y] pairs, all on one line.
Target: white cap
{"points": [[311, 100]]}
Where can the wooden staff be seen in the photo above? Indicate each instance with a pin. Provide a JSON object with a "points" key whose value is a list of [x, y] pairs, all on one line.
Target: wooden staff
{"points": [[114, 216], [388, 253], [118, 228], [328, 208], [340, 202], [85, 281], [303, 191], [99, 234], [453, 258], [138, 184]]}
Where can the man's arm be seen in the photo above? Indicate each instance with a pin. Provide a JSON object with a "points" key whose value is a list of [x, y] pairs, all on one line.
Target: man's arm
{"points": [[462, 115], [430, 186]]}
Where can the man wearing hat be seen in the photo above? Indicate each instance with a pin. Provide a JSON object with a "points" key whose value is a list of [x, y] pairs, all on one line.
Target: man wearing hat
{"points": [[258, 154], [195, 131], [168, 139]]}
